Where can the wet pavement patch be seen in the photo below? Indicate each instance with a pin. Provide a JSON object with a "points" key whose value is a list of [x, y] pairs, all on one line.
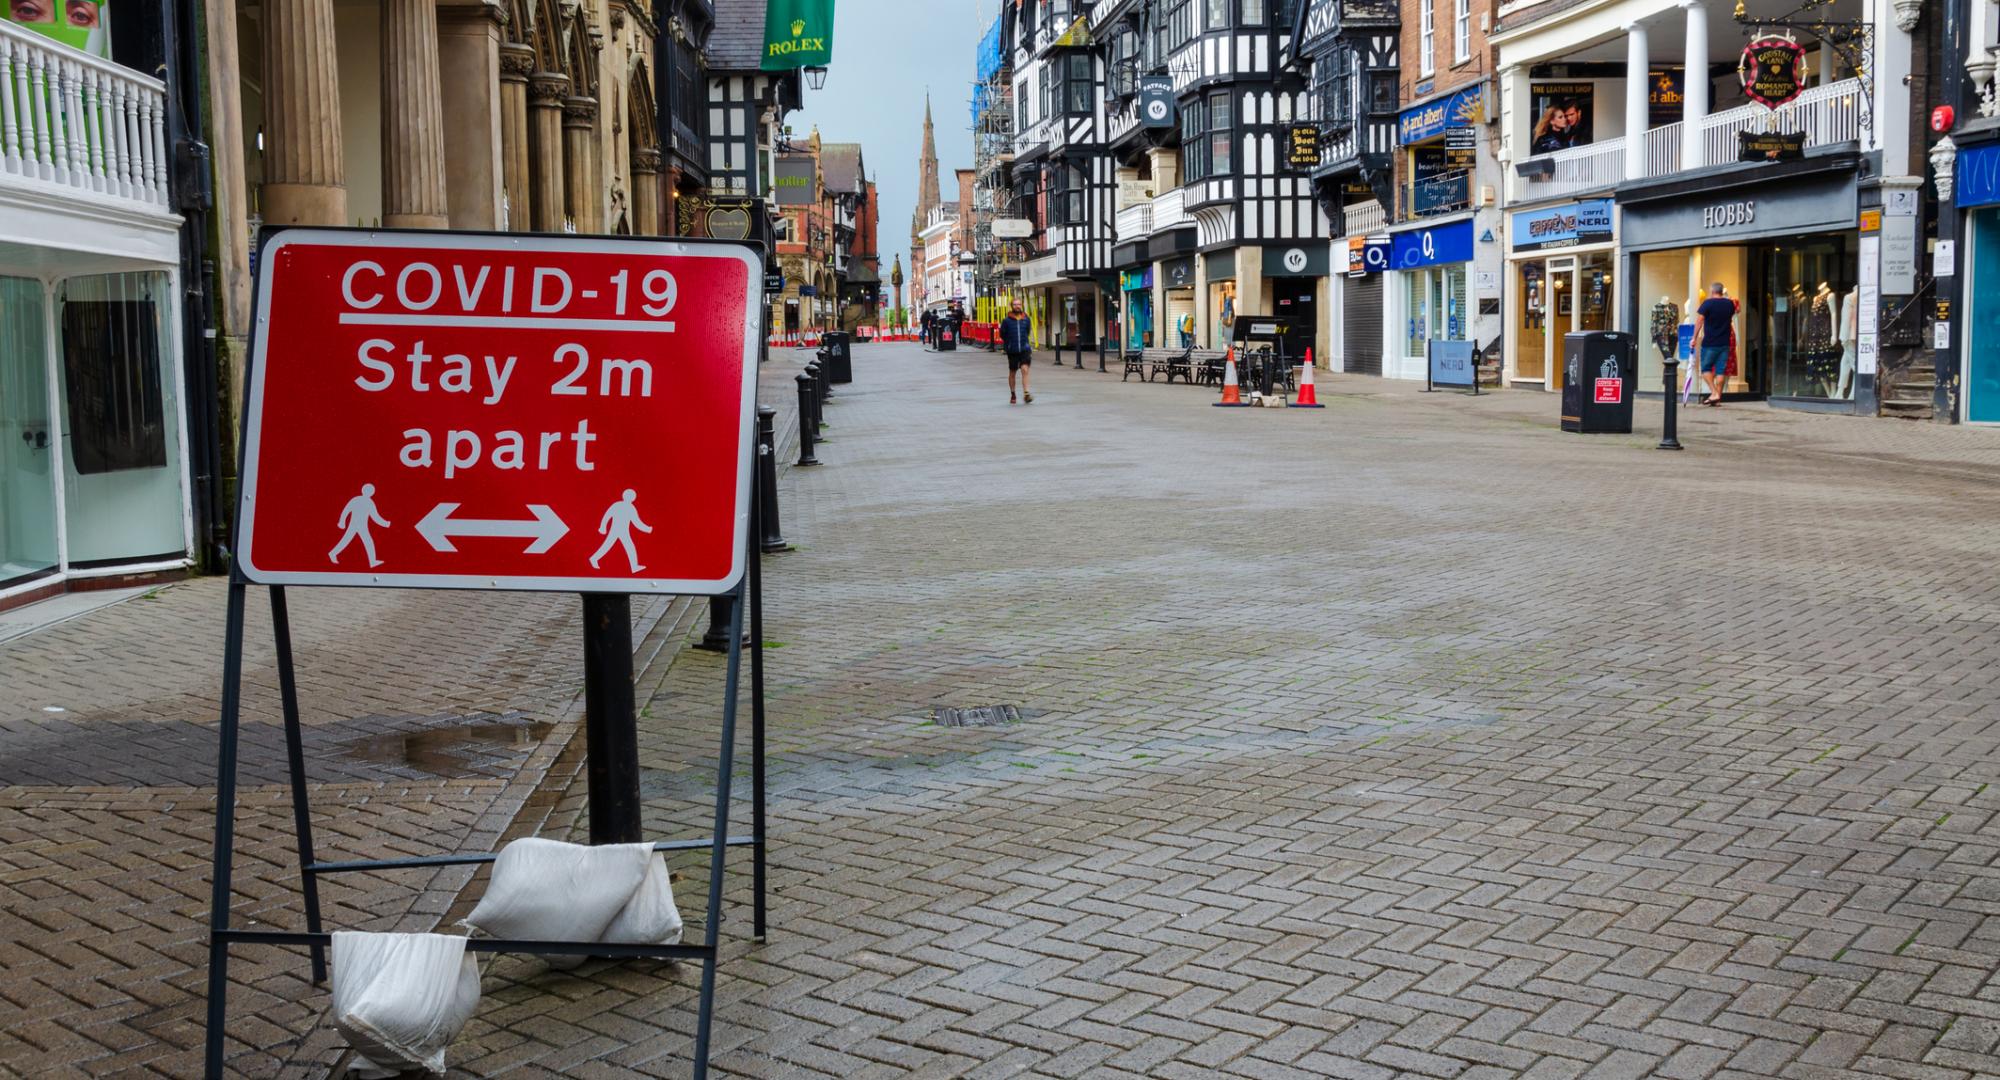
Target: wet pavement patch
{"points": [[976, 716], [487, 745]]}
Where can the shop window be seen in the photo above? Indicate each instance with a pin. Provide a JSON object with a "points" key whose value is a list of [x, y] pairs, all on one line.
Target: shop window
{"points": [[1220, 136], [1253, 13], [1218, 14], [1461, 31], [1427, 37], [1806, 312], [1194, 147], [1079, 96], [121, 469]]}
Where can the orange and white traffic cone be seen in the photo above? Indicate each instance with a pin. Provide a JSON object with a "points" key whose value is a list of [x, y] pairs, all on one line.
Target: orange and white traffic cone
{"points": [[1306, 399], [1232, 397]]}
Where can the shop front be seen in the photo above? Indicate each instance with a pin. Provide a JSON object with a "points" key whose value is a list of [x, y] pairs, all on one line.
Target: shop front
{"points": [[1362, 309], [1137, 288], [1177, 301], [1978, 200], [1428, 288], [1219, 268], [1562, 262], [1293, 278], [93, 481], [1788, 249]]}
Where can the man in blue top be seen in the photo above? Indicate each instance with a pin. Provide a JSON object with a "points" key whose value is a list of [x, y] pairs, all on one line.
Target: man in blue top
{"points": [[1017, 338], [1711, 340]]}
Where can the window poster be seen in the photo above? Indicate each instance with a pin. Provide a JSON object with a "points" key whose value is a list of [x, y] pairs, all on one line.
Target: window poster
{"points": [[1563, 115], [80, 24]]}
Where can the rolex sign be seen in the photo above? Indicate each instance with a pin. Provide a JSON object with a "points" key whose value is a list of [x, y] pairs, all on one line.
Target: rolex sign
{"points": [[1156, 101]]}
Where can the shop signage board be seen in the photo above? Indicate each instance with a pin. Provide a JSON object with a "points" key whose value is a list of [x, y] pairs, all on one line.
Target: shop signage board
{"points": [[1977, 177], [1807, 204], [1367, 255], [1899, 255], [1435, 246], [1772, 70], [793, 178], [1179, 273], [1770, 146], [494, 411], [1461, 148], [1587, 222], [1131, 280], [1013, 228], [1870, 313], [1300, 260], [1666, 96], [1156, 101], [1944, 261], [1428, 121], [1450, 363], [798, 33], [1304, 144]]}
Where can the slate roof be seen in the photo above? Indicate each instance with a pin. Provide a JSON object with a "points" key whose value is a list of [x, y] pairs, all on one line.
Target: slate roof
{"points": [[841, 162], [737, 41]]}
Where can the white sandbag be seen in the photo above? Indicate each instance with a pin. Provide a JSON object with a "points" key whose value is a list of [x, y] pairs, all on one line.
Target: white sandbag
{"points": [[546, 890], [400, 999]]}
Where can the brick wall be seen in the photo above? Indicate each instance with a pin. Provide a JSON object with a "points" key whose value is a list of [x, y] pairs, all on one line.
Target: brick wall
{"points": [[1448, 73]]}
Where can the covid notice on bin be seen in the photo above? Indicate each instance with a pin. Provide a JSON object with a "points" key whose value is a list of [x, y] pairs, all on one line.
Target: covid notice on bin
{"points": [[459, 410]]}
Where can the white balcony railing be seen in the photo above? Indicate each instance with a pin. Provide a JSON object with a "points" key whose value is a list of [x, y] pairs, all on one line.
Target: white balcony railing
{"points": [[1663, 150], [1135, 222], [1567, 172], [1169, 211], [1827, 114], [77, 122], [1366, 217]]}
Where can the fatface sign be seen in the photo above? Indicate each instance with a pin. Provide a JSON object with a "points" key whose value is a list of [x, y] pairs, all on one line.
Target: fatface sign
{"points": [[1156, 101], [454, 410], [1772, 70]]}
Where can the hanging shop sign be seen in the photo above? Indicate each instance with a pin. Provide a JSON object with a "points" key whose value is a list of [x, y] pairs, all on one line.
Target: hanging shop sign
{"points": [[1435, 246], [792, 179], [500, 411], [1428, 121], [1013, 228], [1587, 222], [1304, 144], [797, 33], [1156, 101], [1773, 70], [1367, 255], [1770, 146]]}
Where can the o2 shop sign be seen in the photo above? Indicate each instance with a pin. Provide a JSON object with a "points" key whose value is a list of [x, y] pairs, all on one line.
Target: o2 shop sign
{"points": [[452, 410]]}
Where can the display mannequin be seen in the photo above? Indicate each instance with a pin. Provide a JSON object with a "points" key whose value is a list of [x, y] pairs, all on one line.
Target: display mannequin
{"points": [[1850, 310], [1666, 327], [1818, 345]]}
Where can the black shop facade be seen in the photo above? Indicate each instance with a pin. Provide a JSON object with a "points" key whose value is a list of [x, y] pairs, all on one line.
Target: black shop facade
{"points": [[1784, 241]]}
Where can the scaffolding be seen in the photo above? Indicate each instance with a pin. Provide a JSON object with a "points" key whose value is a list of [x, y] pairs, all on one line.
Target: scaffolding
{"points": [[995, 261]]}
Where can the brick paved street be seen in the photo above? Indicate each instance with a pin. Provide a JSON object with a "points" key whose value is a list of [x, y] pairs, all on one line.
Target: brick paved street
{"points": [[1409, 737]]}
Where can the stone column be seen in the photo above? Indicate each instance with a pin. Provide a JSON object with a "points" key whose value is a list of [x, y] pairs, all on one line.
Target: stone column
{"points": [[412, 118], [546, 90], [1694, 97], [303, 181], [646, 193], [1635, 101], [516, 62], [586, 197], [469, 71]]}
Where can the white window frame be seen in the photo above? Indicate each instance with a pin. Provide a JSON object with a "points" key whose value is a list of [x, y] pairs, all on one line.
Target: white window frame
{"points": [[1427, 39], [1461, 31]]}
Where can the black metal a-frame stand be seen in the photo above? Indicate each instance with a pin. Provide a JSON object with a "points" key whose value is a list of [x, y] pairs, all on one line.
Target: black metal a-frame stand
{"points": [[748, 593]]}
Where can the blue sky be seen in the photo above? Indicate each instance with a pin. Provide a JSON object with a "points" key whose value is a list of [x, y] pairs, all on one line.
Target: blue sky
{"points": [[886, 53]]}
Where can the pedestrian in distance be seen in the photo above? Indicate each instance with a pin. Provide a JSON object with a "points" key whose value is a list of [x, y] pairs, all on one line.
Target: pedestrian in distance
{"points": [[1017, 337], [927, 321], [1712, 332]]}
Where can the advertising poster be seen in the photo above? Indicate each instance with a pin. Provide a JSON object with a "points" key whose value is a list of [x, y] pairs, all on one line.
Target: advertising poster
{"points": [[1564, 112], [80, 24]]}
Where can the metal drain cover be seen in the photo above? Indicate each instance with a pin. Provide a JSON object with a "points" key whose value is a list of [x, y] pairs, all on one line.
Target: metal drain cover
{"points": [[977, 716]]}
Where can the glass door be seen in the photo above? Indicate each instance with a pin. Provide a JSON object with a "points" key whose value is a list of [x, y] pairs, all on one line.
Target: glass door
{"points": [[1563, 304], [27, 440], [1531, 341]]}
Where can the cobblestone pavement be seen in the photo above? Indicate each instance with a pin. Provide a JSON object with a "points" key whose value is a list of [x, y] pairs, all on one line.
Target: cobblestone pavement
{"points": [[431, 721], [1409, 737]]}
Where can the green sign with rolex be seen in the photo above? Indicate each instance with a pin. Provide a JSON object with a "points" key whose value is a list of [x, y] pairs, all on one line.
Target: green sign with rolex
{"points": [[798, 33]]}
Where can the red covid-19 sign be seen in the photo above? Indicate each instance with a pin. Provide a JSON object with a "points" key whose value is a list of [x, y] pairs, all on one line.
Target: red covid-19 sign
{"points": [[455, 410]]}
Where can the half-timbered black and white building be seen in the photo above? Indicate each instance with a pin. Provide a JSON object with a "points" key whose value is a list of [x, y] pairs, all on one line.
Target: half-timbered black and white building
{"points": [[1350, 49]]}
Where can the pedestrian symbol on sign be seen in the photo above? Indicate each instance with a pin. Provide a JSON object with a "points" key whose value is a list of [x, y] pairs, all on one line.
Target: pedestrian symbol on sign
{"points": [[355, 519], [617, 526]]}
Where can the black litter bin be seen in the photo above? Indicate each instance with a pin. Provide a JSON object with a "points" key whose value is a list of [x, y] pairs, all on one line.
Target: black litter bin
{"points": [[839, 359], [947, 338], [1599, 369]]}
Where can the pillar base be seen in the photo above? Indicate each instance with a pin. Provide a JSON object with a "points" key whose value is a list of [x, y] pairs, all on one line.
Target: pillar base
{"points": [[305, 204]]}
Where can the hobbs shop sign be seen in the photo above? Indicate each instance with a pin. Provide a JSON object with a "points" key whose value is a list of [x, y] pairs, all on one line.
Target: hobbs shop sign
{"points": [[1729, 215], [1795, 205]]}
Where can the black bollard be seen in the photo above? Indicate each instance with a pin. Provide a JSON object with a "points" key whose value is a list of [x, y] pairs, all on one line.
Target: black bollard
{"points": [[809, 417], [1670, 431], [805, 420], [716, 637], [1100, 354], [773, 538], [1079, 352]]}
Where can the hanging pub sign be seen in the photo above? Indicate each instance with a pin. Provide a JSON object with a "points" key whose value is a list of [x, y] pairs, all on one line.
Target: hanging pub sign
{"points": [[1156, 101], [1773, 70], [1304, 146], [1770, 146]]}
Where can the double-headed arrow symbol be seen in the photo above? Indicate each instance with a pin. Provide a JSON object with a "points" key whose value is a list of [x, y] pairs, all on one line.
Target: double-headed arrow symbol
{"points": [[438, 527]]}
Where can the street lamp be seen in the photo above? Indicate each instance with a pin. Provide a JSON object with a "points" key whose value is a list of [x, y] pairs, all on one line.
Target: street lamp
{"points": [[815, 77]]}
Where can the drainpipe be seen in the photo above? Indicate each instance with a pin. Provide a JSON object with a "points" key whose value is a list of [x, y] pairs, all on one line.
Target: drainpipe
{"points": [[192, 194]]}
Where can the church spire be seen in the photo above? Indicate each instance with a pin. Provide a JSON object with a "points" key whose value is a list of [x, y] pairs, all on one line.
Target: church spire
{"points": [[928, 197]]}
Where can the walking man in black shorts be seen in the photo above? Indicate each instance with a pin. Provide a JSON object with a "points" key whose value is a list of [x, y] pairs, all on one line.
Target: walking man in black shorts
{"points": [[1017, 337]]}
